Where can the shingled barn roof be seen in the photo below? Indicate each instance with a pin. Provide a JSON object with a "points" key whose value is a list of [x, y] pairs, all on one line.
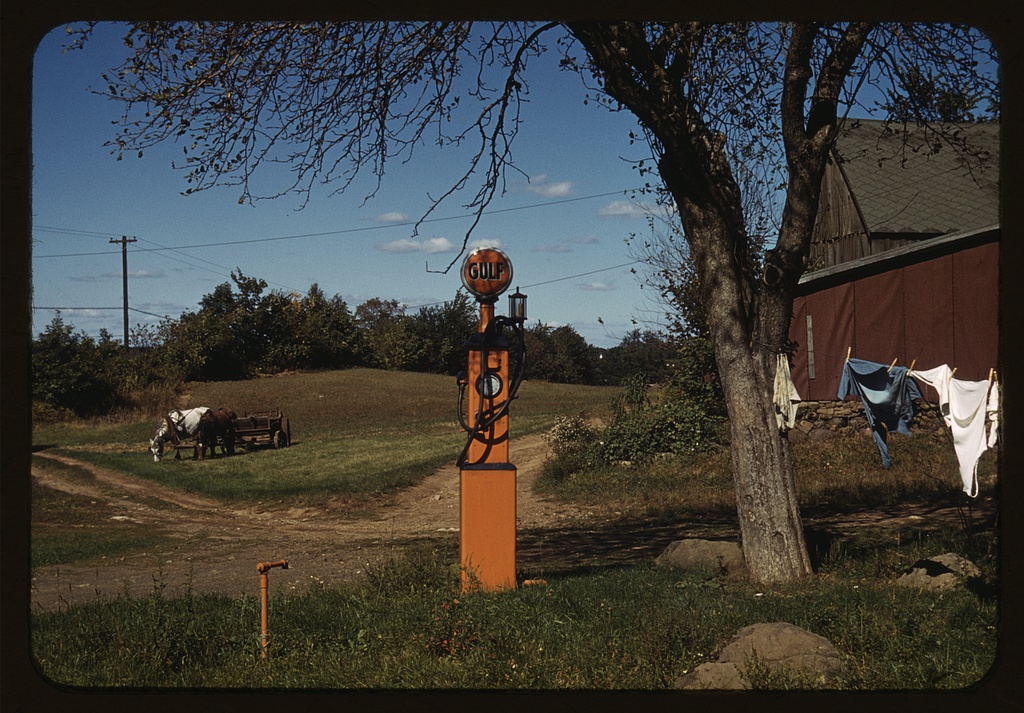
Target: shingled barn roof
{"points": [[906, 182]]}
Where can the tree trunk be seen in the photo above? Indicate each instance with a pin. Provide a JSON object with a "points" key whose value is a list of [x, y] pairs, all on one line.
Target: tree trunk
{"points": [[771, 530], [766, 504], [748, 329]]}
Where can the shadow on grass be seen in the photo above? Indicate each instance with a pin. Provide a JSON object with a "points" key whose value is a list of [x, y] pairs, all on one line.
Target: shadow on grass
{"points": [[573, 550], [577, 549]]}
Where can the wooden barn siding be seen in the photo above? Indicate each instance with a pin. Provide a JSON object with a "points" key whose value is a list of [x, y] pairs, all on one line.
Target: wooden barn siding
{"points": [[939, 311], [839, 232]]}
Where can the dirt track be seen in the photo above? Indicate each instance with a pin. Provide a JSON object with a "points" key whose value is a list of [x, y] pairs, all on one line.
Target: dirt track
{"points": [[214, 548]]}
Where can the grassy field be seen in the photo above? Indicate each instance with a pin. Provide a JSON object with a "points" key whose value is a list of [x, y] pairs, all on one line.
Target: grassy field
{"points": [[68, 528], [407, 625], [360, 431]]}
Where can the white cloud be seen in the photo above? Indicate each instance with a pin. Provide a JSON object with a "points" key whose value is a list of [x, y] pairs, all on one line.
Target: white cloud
{"points": [[438, 245], [484, 243], [598, 286], [132, 275], [623, 209], [163, 307], [567, 245], [540, 186], [408, 245], [392, 217]]}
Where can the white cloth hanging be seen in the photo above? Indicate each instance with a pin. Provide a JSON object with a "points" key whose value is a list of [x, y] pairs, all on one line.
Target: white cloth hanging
{"points": [[786, 397], [937, 378], [965, 407], [968, 402], [993, 414]]}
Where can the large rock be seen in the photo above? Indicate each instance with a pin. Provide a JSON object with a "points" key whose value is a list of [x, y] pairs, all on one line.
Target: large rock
{"points": [[948, 571], [778, 648], [714, 677], [781, 646], [714, 555]]}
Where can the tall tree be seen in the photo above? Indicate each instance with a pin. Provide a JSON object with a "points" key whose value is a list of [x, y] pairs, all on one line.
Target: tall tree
{"points": [[388, 334], [443, 331], [332, 99]]}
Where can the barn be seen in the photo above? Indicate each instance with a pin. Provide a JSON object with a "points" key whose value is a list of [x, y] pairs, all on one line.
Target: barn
{"points": [[904, 261]]}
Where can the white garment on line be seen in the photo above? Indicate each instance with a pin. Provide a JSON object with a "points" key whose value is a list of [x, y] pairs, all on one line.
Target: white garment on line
{"points": [[964, 406], [937, 378], [786, 397], [993, 414]]}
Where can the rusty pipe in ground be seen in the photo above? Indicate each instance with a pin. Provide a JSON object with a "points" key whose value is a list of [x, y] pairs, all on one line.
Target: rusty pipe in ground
{"points": [[264, 569]]}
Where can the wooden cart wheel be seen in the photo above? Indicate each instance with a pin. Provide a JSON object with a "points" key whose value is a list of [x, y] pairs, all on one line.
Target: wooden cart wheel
{"points": [[287, 429], [280, 439]]}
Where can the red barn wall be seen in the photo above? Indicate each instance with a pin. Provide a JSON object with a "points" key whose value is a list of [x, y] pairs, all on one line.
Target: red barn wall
{"points": [[944, 310]]}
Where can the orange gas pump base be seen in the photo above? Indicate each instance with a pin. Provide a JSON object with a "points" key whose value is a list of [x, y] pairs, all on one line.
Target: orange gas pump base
{"points": [[487, 539]]}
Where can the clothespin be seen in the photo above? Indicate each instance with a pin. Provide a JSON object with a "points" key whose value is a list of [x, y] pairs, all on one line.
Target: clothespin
{"points": [[891, 366], [952, 372], [912, 362], [848, 350], [990, 374]]}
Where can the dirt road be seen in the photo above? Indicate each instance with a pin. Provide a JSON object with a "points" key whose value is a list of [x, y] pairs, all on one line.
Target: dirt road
{"points": [[213, 548]]}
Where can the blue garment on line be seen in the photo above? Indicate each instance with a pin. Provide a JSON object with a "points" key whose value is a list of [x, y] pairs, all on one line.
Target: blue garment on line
{"points": [[888, 396]]}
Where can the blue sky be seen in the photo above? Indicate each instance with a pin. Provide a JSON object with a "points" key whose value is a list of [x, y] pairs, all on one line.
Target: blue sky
{"points": [[563, 229]]}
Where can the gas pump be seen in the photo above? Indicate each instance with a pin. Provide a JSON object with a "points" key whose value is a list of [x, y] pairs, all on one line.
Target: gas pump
{"points": [[487, 480]]}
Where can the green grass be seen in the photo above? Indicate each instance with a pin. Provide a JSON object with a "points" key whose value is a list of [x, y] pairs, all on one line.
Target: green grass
{"points": [[67, 528], [840, 475], [407, 627], [355, 432]]}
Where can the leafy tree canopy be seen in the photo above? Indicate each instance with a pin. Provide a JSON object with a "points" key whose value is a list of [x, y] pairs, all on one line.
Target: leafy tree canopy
{"points": [[725, 109]]}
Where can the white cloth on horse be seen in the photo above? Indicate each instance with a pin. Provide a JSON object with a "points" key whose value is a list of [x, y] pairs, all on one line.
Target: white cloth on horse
{"points": [[188, 423]]}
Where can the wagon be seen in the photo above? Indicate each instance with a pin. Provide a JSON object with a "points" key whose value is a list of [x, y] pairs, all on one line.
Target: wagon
{"points": [[262, 428]]}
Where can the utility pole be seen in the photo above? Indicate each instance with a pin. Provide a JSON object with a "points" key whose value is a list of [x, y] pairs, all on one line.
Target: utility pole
{"points": [[124, 279]]}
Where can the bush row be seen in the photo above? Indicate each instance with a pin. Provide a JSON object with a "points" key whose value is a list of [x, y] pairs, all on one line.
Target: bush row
{"points": [[240, 330]]}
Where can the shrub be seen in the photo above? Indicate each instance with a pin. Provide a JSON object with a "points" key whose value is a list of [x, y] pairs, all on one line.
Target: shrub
{"points": [[574, 445], [668, 426], [68, 371], [640, 430]]}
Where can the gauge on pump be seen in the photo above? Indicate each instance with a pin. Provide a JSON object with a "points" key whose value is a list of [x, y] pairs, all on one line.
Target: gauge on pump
{"points": [[489, 385]]}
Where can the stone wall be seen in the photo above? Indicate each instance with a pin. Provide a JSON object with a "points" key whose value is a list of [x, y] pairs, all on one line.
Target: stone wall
{"points": [[821, 419]]}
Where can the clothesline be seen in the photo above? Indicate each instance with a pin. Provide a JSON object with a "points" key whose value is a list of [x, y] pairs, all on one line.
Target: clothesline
{"points": [[888, 395], [849, 350]]}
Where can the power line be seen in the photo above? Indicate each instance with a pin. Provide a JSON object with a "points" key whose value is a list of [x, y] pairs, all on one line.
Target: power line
{"points": [[88, 309], [204, 267], [346, 231], [73, 231], [429, 304], [582, 274], [546, 282]]}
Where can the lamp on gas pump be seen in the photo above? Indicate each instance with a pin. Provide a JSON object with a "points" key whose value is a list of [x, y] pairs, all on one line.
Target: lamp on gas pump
{"points": [[517, 307], [487, 490]]}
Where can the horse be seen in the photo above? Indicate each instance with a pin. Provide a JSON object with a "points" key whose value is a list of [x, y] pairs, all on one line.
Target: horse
{"points": [[217, 424], [202, 423], [173, 427]]}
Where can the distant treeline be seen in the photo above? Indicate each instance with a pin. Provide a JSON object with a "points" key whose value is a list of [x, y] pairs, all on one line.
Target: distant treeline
{"points": [[242, 330]]}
